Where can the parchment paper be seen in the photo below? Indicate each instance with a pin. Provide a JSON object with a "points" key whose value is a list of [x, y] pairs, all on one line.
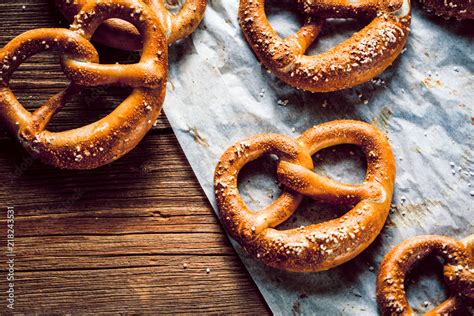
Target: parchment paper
{"points": [[219, 94]]}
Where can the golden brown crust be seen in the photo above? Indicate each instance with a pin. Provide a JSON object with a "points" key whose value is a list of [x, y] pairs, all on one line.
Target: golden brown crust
{"points": [[119, 132], [320, 246], [458, 9], [458, 271], [358, 59], [121, 34]]}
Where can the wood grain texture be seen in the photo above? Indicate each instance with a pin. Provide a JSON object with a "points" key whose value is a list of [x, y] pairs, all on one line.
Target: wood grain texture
{"points": [[111, 240]]}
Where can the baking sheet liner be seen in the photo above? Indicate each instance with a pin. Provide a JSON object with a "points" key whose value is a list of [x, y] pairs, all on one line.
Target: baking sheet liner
{"points": [[218, 94]]}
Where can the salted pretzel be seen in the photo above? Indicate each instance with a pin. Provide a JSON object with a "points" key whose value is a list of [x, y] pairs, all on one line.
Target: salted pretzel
{"points": [[319, 246], [360, 58], [123, 35], [114, 135], [458, 9], [458, 259]]}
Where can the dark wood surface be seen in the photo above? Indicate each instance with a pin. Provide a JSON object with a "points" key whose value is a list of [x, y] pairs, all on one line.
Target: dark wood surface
{"points": [[115, 239]]}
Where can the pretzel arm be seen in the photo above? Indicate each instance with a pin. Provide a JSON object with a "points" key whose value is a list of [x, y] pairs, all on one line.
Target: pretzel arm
{"points": [[40, 118], [12, 112], [323, 188], [45, 113], [134, 75], [306, 35], [279, 211], [348, 8], [187, 19], [184, 22], [454, 305]]}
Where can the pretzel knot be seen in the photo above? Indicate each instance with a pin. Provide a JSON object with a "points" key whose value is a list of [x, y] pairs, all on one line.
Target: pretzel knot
{"points": [[114, 135], [458, 259], [123, 35], [360, 58], [319, 246]]}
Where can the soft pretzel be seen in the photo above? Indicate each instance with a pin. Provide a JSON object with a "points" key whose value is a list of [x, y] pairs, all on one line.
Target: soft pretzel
{"points": [[123, 35], [319, 246], [114, 135], [458, 9], [458, 272], [357, 60]]}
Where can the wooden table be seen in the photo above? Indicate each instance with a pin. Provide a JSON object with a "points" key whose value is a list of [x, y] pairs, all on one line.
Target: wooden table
{"points": [[115, 239]]}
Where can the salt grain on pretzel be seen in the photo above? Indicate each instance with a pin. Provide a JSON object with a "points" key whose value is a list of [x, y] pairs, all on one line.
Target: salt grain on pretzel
{"points": [[458, 9], [123, 35], [319, 246], [119, 132], [458, 259], [357, 60]]}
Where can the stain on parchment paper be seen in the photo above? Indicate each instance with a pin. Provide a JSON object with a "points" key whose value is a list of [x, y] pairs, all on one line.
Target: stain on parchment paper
{"points": [[296, 308], [409, 214], [170, 85], [382, 118], [429, 82], [197, 137], [416, 149]]}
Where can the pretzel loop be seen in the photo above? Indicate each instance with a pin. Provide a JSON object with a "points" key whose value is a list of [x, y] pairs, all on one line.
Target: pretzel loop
{"points": [[184, 22], [319, 246], [112, 136], [458, 259], [149, 72], [358, 59], [318, 187], [276, 52], [233, 160], [21, 48], [124, 35]]}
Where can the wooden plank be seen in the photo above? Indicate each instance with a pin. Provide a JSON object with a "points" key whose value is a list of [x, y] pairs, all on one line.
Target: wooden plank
{"points": [[134, 244], [162, 286], [156, 173], [108, 223], [111, 240]]}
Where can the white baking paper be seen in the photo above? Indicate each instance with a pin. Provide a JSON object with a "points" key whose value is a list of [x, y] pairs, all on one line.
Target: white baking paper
{"points": [[219, 93]]}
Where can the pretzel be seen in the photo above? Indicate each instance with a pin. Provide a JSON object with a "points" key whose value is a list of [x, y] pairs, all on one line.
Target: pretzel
{"points": [[114, 135], [120, 34], [319, 246], [458, 272], [458, 9], [360, 58]]}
